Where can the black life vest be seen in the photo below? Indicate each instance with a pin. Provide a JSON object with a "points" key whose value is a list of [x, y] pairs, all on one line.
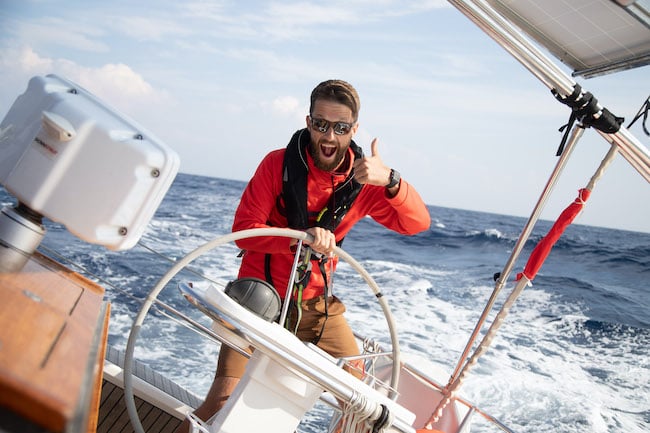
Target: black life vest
{"points": [[294, 187]]}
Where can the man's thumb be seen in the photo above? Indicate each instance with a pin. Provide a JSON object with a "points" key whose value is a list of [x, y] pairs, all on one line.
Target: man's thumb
{"points": [[373, 147]]}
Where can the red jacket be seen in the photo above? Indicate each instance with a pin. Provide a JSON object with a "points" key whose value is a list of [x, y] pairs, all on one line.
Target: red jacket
{"points": [[405, 213]]}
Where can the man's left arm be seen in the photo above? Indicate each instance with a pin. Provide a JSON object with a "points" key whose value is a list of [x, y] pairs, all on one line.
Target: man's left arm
{"points": [[406, 213], [396, 203]]}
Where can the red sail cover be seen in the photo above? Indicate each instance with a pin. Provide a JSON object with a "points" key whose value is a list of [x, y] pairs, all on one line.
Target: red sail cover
{"points": [[543, 248]]}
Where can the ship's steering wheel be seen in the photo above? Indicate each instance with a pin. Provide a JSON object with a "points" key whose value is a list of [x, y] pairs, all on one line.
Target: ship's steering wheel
{"points": [[231, 237]]}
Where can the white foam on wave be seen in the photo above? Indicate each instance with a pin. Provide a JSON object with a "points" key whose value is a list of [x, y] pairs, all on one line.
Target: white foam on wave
{"points": [[493, 233], [532, 377], [546, 372]]}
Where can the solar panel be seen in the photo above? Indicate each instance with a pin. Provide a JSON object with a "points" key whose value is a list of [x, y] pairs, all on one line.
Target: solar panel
{"points": [[593, 37]]}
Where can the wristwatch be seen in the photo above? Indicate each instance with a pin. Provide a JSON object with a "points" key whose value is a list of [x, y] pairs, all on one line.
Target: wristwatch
{"points": [[393, 179]]}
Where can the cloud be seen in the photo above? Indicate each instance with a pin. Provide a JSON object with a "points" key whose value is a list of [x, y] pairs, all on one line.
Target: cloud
{"points": [[211, 10], [305, 14], [282, 21], [148, 28], [63, 32], [286, 105], [118, 84], [286, 21], [113, 77], [29, 61]]}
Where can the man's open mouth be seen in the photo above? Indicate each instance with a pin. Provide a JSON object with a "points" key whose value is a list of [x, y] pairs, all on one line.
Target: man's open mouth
{"points": [[327, 150]]}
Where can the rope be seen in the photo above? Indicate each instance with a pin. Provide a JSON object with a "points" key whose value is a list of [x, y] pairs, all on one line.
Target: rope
{"points": [[370, 346], [604, 165], [361, 415], [451, 389]]}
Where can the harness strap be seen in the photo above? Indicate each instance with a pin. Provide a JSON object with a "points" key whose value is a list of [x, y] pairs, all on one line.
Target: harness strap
{"points": [[326, 295], [267, 269], [303, 274]]}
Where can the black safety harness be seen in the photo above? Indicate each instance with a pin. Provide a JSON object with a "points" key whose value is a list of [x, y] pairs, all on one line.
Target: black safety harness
{"points": [[292, 203]]}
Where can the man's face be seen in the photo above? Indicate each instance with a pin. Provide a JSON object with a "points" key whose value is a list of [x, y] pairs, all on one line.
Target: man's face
{"points": [[328, 148]]}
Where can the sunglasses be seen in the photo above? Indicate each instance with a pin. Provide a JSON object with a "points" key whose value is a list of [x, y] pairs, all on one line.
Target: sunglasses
{"points": [[339, 128]]}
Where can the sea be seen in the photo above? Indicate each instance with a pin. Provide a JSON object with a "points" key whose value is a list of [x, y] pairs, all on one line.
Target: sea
{"points": [[572, 356]]}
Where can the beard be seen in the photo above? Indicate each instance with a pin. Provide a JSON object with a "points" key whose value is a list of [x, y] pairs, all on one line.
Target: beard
{"points": [[315, 152]]}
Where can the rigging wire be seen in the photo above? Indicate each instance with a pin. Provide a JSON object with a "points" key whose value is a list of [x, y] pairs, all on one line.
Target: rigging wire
{"points": [[643, 111]]}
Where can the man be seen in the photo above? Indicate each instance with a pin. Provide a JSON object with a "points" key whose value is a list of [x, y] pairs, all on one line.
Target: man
{"points": [[320, 183]]}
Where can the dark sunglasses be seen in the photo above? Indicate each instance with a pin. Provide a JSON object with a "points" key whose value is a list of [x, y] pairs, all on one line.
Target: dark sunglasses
{"points": [[339, 128]]}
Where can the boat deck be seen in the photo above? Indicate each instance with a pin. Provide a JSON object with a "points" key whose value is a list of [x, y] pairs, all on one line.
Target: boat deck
{"points": [[161, 403], [113, 416]]}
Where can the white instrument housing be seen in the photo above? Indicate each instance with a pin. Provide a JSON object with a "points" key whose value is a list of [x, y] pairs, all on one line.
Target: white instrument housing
{"points": [[69, 157]]}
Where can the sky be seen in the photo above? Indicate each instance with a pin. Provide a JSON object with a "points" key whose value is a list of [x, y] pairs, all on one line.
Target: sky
{"points": [[224, 82]]}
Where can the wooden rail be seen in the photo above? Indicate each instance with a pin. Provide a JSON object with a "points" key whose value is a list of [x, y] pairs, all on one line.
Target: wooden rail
{"points": [[53, 329]]}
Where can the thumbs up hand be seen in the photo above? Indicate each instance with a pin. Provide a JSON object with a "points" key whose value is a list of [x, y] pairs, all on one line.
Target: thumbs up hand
{"points": [[371, 169]]}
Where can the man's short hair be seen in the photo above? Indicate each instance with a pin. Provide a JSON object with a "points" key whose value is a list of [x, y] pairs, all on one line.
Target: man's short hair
{"points": [[337, 91]]}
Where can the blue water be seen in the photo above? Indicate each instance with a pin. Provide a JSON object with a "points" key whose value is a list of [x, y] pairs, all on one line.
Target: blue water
{"points": [[573, 355]]}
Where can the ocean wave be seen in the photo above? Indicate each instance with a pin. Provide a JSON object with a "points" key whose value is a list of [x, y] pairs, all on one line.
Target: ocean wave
{"points": [[608, 334]]}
